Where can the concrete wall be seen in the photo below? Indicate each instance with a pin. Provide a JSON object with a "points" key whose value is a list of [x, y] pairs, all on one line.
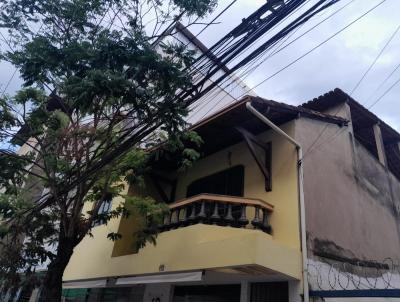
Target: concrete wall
{"points": [[351, 199]]}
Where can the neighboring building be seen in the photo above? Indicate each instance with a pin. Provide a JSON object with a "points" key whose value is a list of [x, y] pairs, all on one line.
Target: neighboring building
{"points": [[235, 232], [352, 197]]}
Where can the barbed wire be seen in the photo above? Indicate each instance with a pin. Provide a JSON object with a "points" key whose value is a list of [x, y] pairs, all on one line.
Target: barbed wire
{"points": [[359, 275]]}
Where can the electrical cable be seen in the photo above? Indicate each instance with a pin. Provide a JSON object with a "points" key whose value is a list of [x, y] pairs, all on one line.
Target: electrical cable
{"points": [[301, 4], [291, 42], [316, 47], [383, 82], [319, 45], [331, 138], [375, 60], [313, 49], [216, 17], [239, 76], [318, 7], [224, 47], [384, 94], [303, 34], [326, 126], [9, 82]]}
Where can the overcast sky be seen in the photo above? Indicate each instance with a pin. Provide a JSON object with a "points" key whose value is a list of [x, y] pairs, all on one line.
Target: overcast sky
{"points": [[339, 63]]}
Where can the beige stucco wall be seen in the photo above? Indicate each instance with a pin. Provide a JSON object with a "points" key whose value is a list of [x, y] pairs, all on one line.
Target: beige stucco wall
{"points": [[177, 250]]}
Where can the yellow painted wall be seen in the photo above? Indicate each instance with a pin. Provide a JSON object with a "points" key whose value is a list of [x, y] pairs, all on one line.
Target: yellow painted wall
{"points": [[190, 248], [284, 194], [202, 246]]}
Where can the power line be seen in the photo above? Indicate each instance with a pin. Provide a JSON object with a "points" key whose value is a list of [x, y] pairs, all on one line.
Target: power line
{"points": [[299, 21], [282, 48], [217, 17], [283, 40], [303, 34], [231, 47], [375, 60], [15, 69], [326, 126], [340, 131], [9, 82], [312, 50], [247, 33], [329, 139], [319, 45], [384, 94], [6, 41], [383, 82], [244, 73]]}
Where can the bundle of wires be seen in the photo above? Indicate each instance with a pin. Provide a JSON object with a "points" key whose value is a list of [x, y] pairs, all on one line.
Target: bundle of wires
{"points": [[207, 73]]}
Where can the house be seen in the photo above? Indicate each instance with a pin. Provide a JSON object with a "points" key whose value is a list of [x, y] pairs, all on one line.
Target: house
{"points": [[283, 199]]}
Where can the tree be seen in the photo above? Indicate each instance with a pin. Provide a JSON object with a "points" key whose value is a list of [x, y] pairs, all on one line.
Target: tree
{"points": [[96, 92]]}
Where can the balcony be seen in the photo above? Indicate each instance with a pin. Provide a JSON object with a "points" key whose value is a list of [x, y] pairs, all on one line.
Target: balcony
{"points": [[210, 233], [221, 210]]}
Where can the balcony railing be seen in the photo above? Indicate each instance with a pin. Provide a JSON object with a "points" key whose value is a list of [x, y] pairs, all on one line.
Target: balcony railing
{"points": [[219, 210]]}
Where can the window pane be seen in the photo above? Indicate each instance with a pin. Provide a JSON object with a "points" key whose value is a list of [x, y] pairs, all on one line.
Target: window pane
{"points": [[104, 208], [122, 294]]}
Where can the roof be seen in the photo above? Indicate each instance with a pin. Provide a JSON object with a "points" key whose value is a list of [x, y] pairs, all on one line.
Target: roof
{"points": [[273, 108], [218, 130], [359, 113], [362, 120]]}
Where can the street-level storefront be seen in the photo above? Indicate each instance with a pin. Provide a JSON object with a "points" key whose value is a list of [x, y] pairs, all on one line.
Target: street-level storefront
{"points": [[251, 292], [242, 284]]}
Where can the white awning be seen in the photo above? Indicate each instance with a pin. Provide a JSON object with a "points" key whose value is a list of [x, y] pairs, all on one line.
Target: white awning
{"points": [[85, 284], [162, 278]]}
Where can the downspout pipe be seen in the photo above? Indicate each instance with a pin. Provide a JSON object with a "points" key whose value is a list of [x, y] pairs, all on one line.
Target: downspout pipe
{"points": [[300, 172]]}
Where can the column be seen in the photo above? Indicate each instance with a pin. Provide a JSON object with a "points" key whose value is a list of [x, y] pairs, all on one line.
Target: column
{"points": [[245, 291], [35, 295], [295, 291], [157, 292], [380, 147]]}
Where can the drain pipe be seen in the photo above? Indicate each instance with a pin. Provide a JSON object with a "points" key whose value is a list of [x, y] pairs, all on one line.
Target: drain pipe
{"points": [[265, 120]]}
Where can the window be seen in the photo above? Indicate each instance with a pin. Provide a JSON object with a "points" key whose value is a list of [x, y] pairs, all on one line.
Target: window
{"points": [[227, 182], [75, 294], [118, 294], [104, 208]]}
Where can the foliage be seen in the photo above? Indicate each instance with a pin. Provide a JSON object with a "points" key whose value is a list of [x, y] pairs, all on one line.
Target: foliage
{"points": [[97, 90]]}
